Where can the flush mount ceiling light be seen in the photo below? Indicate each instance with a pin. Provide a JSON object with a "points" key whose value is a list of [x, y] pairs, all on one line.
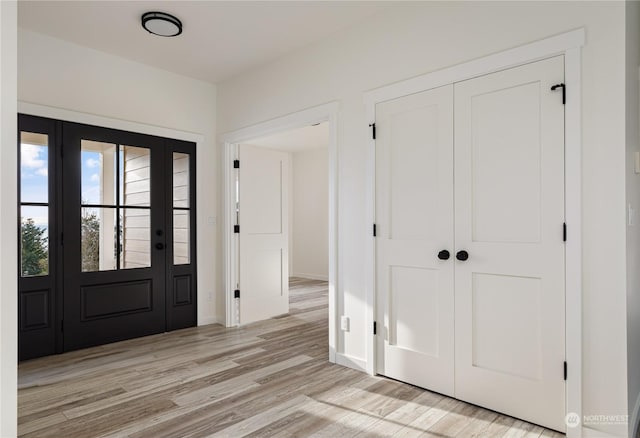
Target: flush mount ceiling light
{"points": [[162, 24]]}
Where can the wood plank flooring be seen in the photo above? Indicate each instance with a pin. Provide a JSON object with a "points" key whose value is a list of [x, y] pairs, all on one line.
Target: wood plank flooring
{"points": [[270, 378]]}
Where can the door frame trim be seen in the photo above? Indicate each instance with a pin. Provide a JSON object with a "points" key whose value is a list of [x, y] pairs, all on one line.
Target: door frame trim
{"points": [[568, 44], [140, 128], [322, 113]]}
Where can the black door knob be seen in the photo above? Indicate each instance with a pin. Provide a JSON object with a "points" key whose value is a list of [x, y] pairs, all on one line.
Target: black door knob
{"points": [[462, 255], [158, 232], [159, 245], [443, 255]]}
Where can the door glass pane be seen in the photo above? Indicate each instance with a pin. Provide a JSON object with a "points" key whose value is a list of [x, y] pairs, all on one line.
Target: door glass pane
{"points": [[135, 176], [34, 241], [180, 180], [181, 237], [34, 166], [136, 238], [98, 173], [98, 241]]}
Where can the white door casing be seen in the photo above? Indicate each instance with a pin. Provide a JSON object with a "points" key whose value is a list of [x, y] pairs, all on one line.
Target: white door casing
{"points": [[509, 215], [569, 45], [414, 222], [263, 220]]}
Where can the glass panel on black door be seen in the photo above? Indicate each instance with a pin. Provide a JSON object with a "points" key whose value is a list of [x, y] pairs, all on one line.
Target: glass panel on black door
{"points": [[135, 191], [99, 239], [181, 213], [115, 237], [136, 238], [34, 204]]}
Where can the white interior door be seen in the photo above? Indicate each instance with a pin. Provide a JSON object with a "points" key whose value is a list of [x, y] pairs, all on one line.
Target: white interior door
{"points": [[263, 219], [509, 215], [414, 221]]}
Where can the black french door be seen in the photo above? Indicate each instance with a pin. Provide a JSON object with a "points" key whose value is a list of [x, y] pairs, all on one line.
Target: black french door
{"points": [[111, 292], [121, 237]]}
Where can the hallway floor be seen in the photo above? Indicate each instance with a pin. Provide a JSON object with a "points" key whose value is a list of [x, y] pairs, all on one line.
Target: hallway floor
{"points": [[270, 378]]}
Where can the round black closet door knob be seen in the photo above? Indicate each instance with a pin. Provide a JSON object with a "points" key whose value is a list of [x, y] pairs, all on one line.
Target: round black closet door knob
{"points": [[443, 255], [462, 255], [159, 246]]}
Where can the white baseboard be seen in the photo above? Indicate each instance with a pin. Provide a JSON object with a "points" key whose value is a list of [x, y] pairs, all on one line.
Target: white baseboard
{"points": [[587, 432], [311, 276], [351, 362], [208, 320], [635, 418]]}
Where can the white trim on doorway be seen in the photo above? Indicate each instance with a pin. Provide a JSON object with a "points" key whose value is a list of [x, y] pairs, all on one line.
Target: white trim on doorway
{"points": [[323, 113], [568, 44], [107, 122]]}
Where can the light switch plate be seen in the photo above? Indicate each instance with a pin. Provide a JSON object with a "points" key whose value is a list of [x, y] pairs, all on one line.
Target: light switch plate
{"points": [[637, 162]]}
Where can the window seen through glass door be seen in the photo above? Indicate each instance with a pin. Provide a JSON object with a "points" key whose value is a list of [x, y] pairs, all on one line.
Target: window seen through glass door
{"points": [[34, 204], [181, 209], [116, 206]]}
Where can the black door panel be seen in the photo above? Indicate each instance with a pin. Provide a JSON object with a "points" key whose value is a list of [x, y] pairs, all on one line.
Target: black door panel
{"points": [[122, 239], [104, 300]]}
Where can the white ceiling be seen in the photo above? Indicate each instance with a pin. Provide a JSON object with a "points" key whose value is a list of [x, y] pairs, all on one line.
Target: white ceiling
{"points": [[220, 39], [296, 140]]}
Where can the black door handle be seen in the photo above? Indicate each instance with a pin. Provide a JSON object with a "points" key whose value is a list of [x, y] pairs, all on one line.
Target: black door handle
{"points": [[462, 255], [444, 255], [159, 245]]}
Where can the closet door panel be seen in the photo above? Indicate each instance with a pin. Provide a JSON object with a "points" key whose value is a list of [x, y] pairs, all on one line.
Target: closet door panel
{"points": [[509, 215], [414, 218]]}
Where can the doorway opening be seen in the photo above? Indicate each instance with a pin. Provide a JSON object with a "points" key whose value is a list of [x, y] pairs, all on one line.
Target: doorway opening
{"points": [[280, 218]]}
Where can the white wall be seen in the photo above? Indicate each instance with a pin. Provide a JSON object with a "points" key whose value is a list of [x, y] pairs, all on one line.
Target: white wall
{"points": [[633, 199], [426, 36], [8, 218], [56, 73], [310, 211]]}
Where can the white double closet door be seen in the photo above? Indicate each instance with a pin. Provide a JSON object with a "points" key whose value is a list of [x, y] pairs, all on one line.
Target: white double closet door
{"points": [[475, 167]]}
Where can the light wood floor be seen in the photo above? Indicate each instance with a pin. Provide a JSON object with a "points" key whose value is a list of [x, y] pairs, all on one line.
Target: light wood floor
{"points": [[271, 378]]}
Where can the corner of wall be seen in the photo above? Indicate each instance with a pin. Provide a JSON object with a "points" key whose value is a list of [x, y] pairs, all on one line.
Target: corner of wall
{"points": [[8, 217]]}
